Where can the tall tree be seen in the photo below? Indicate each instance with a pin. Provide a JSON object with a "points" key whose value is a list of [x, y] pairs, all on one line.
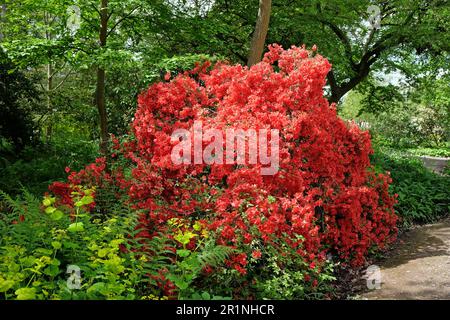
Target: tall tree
{"points": [[259, 36], [341, 29], [345, 33], [113, 35], [100, 92]]}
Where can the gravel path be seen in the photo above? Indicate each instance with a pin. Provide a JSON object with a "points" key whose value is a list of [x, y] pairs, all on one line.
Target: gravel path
{"points": [[435, 164], [419, 268]]}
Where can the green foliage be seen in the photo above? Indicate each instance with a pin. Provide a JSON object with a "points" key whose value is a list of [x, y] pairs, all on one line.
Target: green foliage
{"points": [[190, 264], [16, 96], [146, 39], [38, 248], [43, 243], [36, 167], [290, 277], [422, 195], [433, 152], [289, 283], [406, 116]]}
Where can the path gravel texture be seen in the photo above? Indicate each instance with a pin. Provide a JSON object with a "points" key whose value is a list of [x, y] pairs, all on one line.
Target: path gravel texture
{"points": [[435, 164], [419, 267]]}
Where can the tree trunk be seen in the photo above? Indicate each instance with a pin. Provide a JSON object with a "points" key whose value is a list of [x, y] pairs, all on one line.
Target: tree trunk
{"points": [[338, 91], [49, 131], [2, 16], [101, 77], [259, 36], [49, 102]]}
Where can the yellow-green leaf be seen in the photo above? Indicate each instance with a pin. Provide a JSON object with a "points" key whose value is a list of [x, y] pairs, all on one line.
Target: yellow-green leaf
{"points": [[26, 293]]}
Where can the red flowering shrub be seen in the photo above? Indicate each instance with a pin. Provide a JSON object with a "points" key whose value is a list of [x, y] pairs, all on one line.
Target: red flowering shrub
{"points": [[325, 197], [324, 194]]}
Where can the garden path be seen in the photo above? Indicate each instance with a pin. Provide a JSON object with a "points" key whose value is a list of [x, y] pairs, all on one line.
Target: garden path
{"points": [[436, 164], [419, 267]]}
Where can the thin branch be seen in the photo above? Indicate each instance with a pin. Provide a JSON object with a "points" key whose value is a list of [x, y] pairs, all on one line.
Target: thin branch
{"points": [[369, 40], [59, 70], [110, 14], [121, 20], [95, 8], [344, 39], [89, 22], [62, 81]]}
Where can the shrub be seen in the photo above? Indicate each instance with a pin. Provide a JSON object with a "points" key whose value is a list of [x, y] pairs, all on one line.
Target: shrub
{"points": [[325, 198], [39, 165], [423, 196], [323, 191], [44, 241]]}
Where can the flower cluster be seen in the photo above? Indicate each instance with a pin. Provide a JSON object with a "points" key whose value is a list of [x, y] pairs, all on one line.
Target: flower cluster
{"points": [[324, 195], [324, 199]]}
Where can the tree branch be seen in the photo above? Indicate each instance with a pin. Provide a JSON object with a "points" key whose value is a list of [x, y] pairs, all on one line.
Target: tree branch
{"points": [[62, 81], [121, 20], [96, 9]]}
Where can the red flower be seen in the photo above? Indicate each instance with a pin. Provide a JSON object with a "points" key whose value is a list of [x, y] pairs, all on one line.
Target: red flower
{"points": [[241, 270], [256, 254]]}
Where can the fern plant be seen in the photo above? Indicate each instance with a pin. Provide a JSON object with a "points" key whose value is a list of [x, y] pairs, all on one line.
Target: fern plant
{"points": [[189, 265], [37, 246]]}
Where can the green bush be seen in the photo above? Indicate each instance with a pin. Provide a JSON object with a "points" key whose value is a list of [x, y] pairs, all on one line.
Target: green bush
{"points": [[433, 152], [423, 196], [38, 166], [54, 251], [42, 244]]}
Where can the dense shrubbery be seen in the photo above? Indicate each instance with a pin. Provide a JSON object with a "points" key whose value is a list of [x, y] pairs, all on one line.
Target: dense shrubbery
{"points": [[37, 166], [16, 91], [414, 125], [423, 196], [44, 245], [229, 231], [405, 117]]}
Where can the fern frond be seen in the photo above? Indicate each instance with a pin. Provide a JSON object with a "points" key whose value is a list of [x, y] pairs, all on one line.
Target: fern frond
{"points": [[214, 256]]}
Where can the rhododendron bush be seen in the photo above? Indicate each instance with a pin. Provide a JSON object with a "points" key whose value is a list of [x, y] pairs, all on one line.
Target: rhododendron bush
{"points": [[324, 199]]}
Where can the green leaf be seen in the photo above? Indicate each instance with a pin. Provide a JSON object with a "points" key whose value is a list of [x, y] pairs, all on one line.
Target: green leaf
{"points": [[56, 245], [47, 202], [182, 285], [50, 210], [98, 287], [56, 215], [76, 227], [206, 296], [102, 253], [196, 296], [79, 203], [44, 251], [183, 253], [271, 199], [26, 293], [5, 285], [52, 270], [87, 200]]}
